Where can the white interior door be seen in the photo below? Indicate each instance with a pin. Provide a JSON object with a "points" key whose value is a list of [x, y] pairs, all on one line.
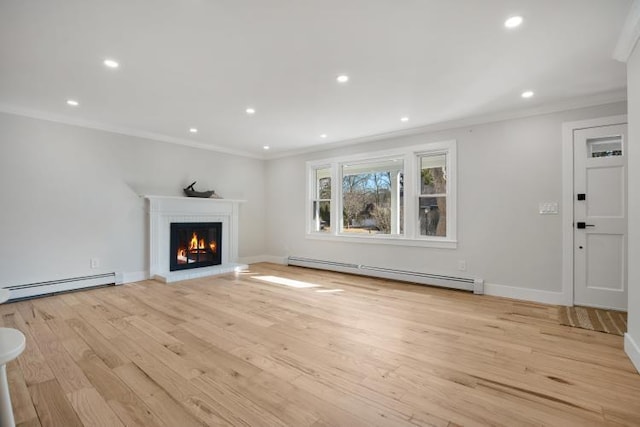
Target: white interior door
{"points": [[600, 217]]}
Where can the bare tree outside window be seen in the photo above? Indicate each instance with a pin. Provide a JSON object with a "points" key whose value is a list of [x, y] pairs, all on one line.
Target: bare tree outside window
{"points": [[432, 202], [371, 197]]}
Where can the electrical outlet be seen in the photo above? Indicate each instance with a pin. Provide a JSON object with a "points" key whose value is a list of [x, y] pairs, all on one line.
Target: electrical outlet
{"points": [[462, 265], [95, 262]]}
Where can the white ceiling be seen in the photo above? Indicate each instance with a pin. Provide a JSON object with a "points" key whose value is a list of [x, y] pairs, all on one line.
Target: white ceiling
{"points": [[200, 63]]}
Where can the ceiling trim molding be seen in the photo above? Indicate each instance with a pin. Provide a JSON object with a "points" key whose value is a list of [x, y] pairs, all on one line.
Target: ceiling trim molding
{"points": [[570, 104], [629, 35], [151, 136]]}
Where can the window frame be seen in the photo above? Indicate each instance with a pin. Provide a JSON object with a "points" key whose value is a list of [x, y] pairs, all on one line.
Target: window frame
{"points": [[411, 161]]}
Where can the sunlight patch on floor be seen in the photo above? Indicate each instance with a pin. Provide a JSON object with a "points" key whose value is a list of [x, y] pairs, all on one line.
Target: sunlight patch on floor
{"points": [[326, 291], [286, 282]]}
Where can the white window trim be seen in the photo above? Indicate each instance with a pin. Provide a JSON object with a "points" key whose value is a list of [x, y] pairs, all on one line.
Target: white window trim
{"points": [[411, 158]]}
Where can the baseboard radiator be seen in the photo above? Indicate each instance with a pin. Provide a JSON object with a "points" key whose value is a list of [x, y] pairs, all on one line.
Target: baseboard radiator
{"points": [[463, 283], [51, 287]]}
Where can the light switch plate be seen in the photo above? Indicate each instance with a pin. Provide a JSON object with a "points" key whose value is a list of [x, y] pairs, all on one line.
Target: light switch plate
{"points": [[548, 208]]}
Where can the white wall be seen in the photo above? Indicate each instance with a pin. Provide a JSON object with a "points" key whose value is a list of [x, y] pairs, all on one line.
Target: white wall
{"points": [[632, 340], [504, 170], [68, 194]]}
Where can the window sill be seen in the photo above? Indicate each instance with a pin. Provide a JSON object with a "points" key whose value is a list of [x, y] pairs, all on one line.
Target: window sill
{"points": [[387, 240]]}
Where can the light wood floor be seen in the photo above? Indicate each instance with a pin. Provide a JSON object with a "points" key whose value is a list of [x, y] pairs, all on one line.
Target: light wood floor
{"points": [[239, 350]]}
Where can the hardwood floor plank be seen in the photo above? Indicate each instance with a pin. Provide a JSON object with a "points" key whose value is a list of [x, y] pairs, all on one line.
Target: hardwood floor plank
{"points": [[33, 365], [23, 409], [53, 408], [92, 409], [158, 401]]}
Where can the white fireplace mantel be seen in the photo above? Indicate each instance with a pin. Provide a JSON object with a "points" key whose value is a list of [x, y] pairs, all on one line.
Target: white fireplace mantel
{"points": [[164, 210]]}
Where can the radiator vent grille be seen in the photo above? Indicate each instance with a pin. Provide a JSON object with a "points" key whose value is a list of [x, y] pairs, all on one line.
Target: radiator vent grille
{"points": [[464, 283], [37, 289]]}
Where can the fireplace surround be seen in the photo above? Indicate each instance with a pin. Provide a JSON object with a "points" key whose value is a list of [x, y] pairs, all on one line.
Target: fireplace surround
{"points": [[192, 212]]}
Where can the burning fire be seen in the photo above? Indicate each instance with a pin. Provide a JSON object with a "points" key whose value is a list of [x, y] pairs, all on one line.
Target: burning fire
{"points": [[195, 243]]}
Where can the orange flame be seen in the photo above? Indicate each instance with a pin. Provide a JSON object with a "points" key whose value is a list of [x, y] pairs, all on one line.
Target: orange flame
{"points": [[213, 246], [194, 242]]}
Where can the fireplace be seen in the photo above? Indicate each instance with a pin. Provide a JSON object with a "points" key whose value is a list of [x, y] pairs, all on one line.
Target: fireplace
{"points": [[194, 245], [191, 211]]}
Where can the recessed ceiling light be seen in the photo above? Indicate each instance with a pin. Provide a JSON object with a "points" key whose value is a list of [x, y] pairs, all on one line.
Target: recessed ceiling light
{"points": [[193, 130], [111, 63], [513, 22], [266, 147], [72, 102], [250, 110], [404, 119], [343, 78], [323, 136], [527, 94]]}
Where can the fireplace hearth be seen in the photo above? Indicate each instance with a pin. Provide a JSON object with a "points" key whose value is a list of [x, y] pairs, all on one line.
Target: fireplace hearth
{"points": [[195, 245]]}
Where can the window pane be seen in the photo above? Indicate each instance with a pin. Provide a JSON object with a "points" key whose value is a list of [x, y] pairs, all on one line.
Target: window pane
{"points": [[324, 213], [605, 147], [433, 176], [322, 216], [432, 212], [323, 182], [372, 197]]}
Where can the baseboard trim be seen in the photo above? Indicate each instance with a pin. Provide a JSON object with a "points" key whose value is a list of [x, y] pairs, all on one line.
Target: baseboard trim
{"points": [[526, 294], [131, 277], [633, 350], [263, 258]]}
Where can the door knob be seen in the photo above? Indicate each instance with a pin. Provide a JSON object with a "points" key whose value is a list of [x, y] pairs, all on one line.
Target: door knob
{"points": [[581, 225]]}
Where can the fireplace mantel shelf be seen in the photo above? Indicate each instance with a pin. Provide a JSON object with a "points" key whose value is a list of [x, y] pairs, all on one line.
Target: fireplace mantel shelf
{"points": [[147, 196]]}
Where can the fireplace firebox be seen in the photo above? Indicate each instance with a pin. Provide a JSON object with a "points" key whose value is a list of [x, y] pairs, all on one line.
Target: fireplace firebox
{"points": [[195, 244]]}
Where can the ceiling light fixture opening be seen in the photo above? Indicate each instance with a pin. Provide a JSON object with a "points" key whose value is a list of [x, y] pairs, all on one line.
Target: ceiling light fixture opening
{"points": [[72, 102], [193, 130], [323, 136], [513, 22], [111, 63], [266, 147], [527, 94], [250, 110], [343, 78], [404, 119]]}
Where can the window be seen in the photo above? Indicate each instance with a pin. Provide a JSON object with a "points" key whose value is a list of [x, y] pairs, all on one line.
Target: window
{"points": [[432, 199], [322, 200], [372, 197], [404, 197]]}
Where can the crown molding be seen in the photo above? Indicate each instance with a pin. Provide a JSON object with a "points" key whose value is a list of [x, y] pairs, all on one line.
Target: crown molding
{"points": [[629, 35], [603, 98], [151, 136], [574, 103]]}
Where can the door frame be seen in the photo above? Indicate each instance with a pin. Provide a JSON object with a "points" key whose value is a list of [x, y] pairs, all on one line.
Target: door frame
{"points": [[568, 246]]}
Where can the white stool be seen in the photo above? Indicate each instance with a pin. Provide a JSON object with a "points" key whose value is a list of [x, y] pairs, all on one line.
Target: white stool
{"points": [[12, 343]]}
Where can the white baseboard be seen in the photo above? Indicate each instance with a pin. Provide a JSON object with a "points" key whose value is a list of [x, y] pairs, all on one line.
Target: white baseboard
{"points": [[633, 350], [131, 277], [263, 258], [527, 294]]}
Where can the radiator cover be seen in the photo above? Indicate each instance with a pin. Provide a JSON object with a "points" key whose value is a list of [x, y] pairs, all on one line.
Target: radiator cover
{"points": [[463, 283]]}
